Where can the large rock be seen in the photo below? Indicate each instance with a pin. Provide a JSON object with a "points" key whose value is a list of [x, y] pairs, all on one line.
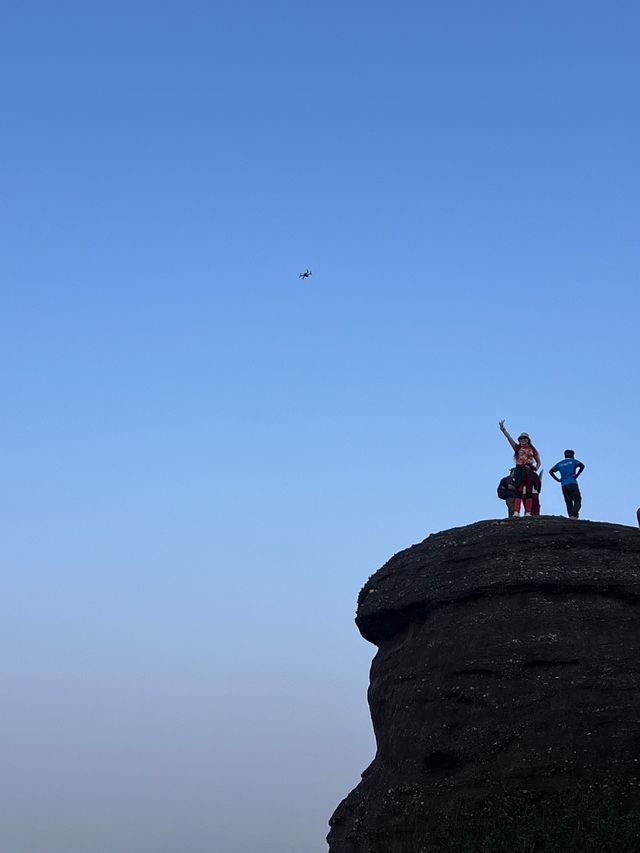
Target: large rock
{"points": [[505, 694]]}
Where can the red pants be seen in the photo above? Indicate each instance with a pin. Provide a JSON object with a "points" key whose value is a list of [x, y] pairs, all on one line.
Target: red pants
{"points": [[528, 504], [527, 492]]}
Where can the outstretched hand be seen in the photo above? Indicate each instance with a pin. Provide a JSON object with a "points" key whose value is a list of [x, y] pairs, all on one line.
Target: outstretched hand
{"points": [[501, 424]]}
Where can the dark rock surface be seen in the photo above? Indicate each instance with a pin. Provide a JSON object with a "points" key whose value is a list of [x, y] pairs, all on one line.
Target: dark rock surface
{"points": [[505, 694]]}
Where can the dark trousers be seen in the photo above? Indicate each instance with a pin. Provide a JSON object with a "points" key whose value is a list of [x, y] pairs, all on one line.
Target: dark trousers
{"points": [[535, 504], [573, 499]]}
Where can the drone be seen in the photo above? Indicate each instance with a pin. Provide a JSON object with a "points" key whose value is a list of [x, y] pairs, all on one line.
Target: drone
{"points": [[305, 274]]}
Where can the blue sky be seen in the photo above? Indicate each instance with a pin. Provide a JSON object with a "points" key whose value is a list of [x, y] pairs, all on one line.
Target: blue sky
{"points": [[204, 456]]}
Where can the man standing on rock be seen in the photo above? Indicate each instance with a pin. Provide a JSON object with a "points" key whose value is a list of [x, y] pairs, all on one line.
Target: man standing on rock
{"points": [[507, 491], [569, 469]]}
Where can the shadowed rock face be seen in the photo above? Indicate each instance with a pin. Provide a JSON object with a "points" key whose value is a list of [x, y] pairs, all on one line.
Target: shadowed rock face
{"points": [[505, 694]]}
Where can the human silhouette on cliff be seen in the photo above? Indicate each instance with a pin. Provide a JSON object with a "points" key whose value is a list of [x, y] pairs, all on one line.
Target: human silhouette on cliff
{"points": [[536, 488], [507, 491], [569, 469], [527, 463]]}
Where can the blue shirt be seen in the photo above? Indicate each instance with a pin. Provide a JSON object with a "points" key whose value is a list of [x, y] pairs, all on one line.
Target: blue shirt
{"points": [[567, 470]]}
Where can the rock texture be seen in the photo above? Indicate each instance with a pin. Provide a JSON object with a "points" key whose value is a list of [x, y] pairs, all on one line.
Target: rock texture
{"points": [[505, 694]]}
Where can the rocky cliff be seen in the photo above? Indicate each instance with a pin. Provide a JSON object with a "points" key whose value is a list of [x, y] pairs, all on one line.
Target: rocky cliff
{"points": [[505, 693]]}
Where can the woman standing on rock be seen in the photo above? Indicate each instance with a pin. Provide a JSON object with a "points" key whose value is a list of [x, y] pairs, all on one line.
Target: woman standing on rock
{"points": [[527, 461]]}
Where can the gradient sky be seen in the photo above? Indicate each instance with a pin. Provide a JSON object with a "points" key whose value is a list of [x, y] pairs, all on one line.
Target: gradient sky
{"points": [[205, 457]]}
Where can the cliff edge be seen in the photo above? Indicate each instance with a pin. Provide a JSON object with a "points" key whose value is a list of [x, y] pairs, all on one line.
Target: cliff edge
{"points": [[505, 693]]}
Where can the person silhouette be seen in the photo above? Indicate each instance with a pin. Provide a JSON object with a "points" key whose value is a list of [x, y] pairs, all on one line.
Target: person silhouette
{"points": [[569, 470], [527, 463]]}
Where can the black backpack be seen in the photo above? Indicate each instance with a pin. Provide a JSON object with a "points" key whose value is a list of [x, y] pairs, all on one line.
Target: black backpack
{"points": [[503, 491]]}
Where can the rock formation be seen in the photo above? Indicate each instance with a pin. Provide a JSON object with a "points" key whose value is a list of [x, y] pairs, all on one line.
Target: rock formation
{"points": [[505, 693]]}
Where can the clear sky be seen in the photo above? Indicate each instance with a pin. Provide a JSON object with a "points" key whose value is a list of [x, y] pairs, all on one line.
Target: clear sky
{"points": [[203, 456]]}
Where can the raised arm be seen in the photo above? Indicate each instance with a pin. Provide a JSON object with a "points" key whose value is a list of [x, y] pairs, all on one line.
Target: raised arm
{"points": [[505, 432]]}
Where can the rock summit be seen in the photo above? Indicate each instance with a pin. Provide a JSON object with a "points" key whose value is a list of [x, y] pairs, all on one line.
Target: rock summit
{"points": [[505, 693]]}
